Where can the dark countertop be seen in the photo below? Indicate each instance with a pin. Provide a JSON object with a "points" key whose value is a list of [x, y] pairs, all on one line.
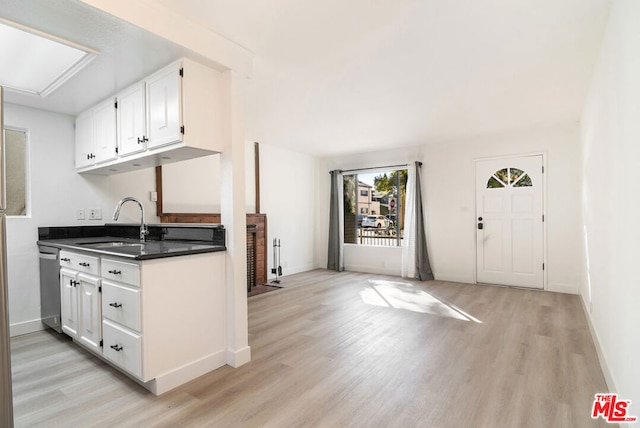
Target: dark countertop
{"points": [[185, 240]]}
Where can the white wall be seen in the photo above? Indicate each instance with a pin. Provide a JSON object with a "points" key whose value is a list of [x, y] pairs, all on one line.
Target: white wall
{"points": [[56, 191], [449, 191], [611, 205], [192, 186], [288, 197], [449, 195]]}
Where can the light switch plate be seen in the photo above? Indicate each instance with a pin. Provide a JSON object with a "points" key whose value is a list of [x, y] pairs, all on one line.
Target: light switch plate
{"points": [[80, 214]]}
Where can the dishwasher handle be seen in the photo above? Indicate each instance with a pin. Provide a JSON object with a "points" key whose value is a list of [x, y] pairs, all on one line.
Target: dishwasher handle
{"points": [[48, 256]]}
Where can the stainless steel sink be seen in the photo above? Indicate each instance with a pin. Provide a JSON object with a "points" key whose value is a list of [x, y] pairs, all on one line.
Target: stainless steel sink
{"points": [[112, 244]]}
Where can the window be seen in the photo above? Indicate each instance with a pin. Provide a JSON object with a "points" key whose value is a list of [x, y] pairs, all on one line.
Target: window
{"points": [[16, 172], [509, 177], [380, 219]]}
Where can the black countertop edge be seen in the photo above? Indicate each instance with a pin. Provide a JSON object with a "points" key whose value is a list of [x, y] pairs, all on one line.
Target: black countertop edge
{"points": [[152, 249], [165, 240], [214, 233]]}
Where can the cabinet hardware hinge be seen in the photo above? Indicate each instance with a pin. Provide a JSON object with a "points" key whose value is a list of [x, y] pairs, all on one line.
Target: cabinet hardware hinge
{"points": [[101, 343], [100, 289], [115, 104], [116, 150], [542, 217], [542, 266], [182, 130], [181, 72], [543, 169]]}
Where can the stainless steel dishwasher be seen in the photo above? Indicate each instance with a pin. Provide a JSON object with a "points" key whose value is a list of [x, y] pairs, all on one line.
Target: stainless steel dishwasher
{"points": [[50, 287]]}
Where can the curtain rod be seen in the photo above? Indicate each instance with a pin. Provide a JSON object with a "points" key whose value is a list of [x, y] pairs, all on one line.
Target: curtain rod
{"points": [[374, 167]]}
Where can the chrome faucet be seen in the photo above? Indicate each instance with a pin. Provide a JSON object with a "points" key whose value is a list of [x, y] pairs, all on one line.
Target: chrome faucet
{"points": [[143, 227]]}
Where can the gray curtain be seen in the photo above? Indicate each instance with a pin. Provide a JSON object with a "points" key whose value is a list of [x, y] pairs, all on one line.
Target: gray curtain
{"points": [[423, 266], [335, 246]]}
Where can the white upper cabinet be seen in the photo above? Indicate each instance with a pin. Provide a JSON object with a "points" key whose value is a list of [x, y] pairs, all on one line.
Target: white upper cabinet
{"points": [[173, 115], [96, 135], [164, 106], [84, 139], [132, 129]]}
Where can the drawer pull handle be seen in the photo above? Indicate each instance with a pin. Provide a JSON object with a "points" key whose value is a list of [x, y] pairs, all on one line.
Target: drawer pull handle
{"points": [[64, 259], [115, 272], [73, 283], [116, 305], [84, 264], [116, 348]]}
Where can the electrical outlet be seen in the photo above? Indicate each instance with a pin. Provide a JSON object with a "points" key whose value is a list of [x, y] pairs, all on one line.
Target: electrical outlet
{"points": [[80, 214], [94, 213], [153, 196]]}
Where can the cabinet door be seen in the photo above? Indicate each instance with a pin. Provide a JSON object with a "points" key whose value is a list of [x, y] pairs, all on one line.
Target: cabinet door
{"points": [[164, 107], [123, 347], [90, 331], [84, 139], [69, 301], [104, 120], [131, 120]]}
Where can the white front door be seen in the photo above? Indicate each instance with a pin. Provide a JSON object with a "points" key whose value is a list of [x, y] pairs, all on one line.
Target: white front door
{"points": [[509, 221]]}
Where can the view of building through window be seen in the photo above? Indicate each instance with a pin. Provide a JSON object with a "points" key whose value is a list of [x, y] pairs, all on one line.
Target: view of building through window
{"points": [[374, 207]]}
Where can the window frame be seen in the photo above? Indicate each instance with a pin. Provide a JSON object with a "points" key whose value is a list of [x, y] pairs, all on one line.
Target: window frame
{"points": [[358, 207], [27, 169]]}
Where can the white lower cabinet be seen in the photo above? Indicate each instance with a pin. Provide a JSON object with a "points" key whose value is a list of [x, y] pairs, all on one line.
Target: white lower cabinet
{"points": [[123, 347], [121, 304], [89, 333], [161, 321], [69, 302], [121, 310], [80, 298]]}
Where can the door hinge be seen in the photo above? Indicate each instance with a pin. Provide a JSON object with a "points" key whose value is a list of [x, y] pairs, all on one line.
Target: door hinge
{"points": [[543, 169], [116, 150], [542, 266], [181, 72], [100, 289], [182, 129], [102, 343], [543, 217], [115, 105]]}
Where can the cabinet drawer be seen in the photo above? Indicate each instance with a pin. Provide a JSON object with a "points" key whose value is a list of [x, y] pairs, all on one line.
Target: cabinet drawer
{"points": [[127, 273], [121, 304], [80, 262], [122, 347]]}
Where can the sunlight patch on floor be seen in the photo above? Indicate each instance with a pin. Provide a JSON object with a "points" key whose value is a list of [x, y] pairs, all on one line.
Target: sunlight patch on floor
{"points": [[405, 296]]}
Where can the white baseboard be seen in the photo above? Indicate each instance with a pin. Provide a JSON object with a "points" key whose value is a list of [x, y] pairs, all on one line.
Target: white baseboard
{"points": [[25, 327], [238, 358], [608, 376], [184, 374], [463, 279], [286, 271], [563, 288], [371, 269]]}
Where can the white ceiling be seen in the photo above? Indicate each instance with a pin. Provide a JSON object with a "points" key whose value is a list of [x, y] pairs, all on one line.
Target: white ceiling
{"points": [[336, 77], [127, 53]]}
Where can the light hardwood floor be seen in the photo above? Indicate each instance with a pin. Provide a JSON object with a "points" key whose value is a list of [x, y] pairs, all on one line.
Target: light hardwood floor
{"points": [[348, 349]]}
